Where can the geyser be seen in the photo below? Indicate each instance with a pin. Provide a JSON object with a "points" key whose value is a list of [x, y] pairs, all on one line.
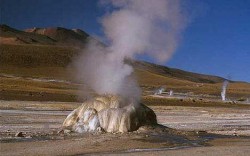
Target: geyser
{"points": [[223, 92], [159, 91], [110, 114], [171, 93], [133, 27]]}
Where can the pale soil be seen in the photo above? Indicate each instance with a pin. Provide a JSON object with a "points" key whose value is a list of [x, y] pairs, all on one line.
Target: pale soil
{"points": [[220, 147], [226, 121], [40, 121]]}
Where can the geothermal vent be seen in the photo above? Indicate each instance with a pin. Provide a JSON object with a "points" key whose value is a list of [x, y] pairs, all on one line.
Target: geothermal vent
{"points": [[110, 114], [132, 28]]}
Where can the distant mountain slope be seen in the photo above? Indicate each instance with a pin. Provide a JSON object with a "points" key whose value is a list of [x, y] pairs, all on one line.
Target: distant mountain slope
{"points": [[42, 47], [177, 73], [75, 37], [45, 36], [13, 36]]}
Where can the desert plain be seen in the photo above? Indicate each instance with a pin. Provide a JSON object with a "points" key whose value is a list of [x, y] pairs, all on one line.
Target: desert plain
{"points": [[38, 91]]}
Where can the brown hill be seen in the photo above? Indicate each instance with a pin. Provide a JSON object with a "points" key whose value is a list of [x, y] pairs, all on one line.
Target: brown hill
{"points": [[13, 36], [75, 37], [41, 56], [48, 54], [57, 56], [177, 73], [44, 36]]}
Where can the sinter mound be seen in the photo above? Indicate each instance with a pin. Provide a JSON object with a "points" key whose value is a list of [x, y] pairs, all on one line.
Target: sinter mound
{"points": [[110, 114]]}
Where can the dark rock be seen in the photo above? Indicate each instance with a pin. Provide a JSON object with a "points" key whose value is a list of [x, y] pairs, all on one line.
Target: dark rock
{"points": [[19, 134], [201, 132]]}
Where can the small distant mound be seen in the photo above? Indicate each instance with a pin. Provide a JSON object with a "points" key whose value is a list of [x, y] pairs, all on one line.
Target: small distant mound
{"points": [[6, 28]]}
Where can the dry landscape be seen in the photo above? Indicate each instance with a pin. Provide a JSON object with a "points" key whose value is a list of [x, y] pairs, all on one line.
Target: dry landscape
{"points": [[38, 90]]}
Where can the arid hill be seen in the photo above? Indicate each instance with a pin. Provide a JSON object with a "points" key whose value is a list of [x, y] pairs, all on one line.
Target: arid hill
{"points": [[26, 52], [62, 36], [48, 53], [13, 36], [44, 36]]}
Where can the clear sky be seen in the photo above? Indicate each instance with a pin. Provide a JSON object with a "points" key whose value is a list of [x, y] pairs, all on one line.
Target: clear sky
{"points": [[217, 40]]}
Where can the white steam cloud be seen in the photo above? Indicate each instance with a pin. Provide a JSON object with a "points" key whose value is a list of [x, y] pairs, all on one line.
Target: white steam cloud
{"points": [[223, 92], [134, 27]]}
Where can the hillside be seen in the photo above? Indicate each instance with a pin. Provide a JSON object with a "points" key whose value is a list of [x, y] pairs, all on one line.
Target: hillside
{"points": [[43, 36], [177, 73], [74, 37], [48, 53], [10, 35], [27, 51]]}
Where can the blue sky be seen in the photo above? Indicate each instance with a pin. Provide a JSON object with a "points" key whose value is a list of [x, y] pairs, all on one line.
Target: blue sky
{"points": [[217, 40]]}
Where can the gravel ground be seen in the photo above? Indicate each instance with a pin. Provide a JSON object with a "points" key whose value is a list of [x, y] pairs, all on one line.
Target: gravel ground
{"points": [[39, 123], [226, 121]]}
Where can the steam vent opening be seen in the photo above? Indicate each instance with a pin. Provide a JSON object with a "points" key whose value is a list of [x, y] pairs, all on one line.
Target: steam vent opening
{"points": [[109, 113]]}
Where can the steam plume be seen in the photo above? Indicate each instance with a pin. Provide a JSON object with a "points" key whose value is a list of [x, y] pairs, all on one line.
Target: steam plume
{"points": [[159, 91], [133, 27], [223, 92], [171, 93]]}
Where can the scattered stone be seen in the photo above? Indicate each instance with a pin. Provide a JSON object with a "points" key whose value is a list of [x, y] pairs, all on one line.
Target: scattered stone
{"points": [[201, 132], [28, 137], [19, 134], [60, 131], [99, 129], [66, 131]]}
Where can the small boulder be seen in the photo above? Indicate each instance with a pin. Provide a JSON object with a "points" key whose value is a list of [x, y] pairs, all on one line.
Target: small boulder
{"points": [[19, 134]]}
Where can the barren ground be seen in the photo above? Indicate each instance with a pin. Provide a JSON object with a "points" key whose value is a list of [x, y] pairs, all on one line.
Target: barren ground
{"points": [[30, 73], [40, 121]]}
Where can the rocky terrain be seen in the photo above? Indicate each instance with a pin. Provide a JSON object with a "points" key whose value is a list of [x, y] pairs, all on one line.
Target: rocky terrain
{"points": [[26, 124], [38, 90]]}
